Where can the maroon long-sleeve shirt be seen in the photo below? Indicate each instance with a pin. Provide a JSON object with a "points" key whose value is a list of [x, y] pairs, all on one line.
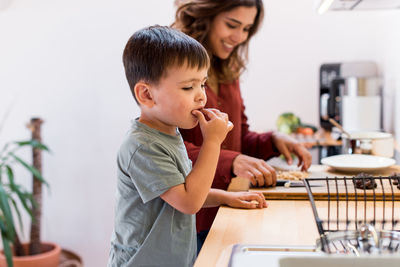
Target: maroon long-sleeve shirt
{"points": [[238, 141]]}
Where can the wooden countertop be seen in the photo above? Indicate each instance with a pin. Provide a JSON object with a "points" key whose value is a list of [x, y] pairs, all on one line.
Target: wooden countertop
{"points": [[299, 193], [282, 223]]}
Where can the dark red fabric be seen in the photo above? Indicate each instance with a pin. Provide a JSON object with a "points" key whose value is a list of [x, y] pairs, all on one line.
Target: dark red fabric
{"points": [[238, 141]]}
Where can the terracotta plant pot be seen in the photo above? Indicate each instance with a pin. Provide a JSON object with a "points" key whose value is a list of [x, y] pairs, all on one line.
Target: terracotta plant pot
{"points": [[49, 258]]}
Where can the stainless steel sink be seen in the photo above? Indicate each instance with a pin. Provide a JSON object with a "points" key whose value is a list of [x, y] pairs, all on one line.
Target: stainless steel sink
{"points": [[250, 255], [302, 256]]}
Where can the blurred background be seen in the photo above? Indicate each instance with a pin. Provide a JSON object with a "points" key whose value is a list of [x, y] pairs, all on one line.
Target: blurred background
{"points": [[62, 61]]}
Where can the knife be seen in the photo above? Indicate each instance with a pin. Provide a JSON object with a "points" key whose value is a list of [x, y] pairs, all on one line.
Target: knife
{"points": [[291, 183]]}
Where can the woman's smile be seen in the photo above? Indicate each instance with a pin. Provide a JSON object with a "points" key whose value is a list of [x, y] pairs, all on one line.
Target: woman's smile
{"points": [[228, 47]]}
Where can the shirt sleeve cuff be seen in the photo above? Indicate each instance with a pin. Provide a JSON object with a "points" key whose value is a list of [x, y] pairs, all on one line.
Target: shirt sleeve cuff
{"points": [[225, 163]]}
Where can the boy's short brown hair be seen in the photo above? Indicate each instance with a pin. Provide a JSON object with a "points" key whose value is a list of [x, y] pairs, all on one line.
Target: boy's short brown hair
{"points": [[151, 51]]}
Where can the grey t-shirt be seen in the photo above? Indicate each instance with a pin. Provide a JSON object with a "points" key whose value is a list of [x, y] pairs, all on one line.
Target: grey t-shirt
{"points": [[148, 231]]}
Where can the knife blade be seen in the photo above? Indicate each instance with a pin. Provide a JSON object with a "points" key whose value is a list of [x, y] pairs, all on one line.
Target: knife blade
{"points": [[291, 183]]}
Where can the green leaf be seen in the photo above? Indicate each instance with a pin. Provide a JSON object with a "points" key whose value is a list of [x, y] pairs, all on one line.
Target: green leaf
{"points": [[22, 195], [4, 159], [33, 143], [21, 226], [7, 250], [15, 189], [10, 175], [5, 147], [24, 198], [2, 224], [30, 168], [6, 210]]}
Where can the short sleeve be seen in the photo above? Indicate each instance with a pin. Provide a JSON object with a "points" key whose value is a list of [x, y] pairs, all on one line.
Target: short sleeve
{"points": [[154, 170]]}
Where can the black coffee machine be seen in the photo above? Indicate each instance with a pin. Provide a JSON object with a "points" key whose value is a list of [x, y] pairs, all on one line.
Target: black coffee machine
{"points": [[331, 78]]}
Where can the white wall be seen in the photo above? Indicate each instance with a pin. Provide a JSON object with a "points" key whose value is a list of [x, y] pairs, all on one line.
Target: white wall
{"points": [[294, 41], [61, 60], [389, 45]]}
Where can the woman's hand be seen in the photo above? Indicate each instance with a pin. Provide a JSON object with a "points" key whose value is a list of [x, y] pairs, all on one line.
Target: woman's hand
{"points": [[256, 170], [245, 200], [287, 145]]}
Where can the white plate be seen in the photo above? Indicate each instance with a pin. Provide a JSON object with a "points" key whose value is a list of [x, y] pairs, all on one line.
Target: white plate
{"points": [[358, 162]]}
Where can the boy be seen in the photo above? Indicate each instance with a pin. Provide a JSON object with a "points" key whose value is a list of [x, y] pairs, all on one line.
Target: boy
{"points": [[158, 191]]}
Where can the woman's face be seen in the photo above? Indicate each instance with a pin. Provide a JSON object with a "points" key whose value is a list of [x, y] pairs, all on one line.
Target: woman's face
{"points": [[229, 29]]}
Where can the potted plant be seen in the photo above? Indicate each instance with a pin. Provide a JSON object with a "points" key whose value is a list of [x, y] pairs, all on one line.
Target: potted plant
{"points": [[14, 199]]}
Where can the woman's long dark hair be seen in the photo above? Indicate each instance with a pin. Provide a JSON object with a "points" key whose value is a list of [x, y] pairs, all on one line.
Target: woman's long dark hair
{"points": [[194, 17]]}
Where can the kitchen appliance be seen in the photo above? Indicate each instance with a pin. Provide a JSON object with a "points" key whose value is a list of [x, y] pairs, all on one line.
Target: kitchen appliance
{"points": [[351, 94]]}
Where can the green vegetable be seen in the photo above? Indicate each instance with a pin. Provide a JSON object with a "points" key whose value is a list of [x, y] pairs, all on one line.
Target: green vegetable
{"points": [[288, 122]]}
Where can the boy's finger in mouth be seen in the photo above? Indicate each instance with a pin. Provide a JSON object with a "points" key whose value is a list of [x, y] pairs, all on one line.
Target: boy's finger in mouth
{"points": [[194, 112]]}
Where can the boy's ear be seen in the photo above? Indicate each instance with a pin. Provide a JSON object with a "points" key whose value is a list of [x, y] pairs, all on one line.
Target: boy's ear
{"points": [[143, 94]]}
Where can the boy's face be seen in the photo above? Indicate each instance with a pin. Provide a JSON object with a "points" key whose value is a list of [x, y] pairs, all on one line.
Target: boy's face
{"points": [[178, 93]]}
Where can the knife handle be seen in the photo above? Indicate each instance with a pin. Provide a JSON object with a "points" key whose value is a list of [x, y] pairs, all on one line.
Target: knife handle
{"points": [[281, 182]]}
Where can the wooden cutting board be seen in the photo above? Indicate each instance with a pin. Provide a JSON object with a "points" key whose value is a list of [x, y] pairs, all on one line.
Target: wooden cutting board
{"points": [[315, 171]]}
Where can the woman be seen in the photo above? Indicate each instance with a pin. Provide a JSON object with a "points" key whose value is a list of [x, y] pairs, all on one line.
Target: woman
{"points": [[225, 28]]}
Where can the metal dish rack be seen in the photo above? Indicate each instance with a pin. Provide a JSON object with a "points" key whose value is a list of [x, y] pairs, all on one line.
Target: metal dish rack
{"points": [[356, 220]]}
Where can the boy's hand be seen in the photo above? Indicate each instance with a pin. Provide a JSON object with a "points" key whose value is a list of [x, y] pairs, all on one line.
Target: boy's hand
{"points": [[245, 200], [216, 128]]}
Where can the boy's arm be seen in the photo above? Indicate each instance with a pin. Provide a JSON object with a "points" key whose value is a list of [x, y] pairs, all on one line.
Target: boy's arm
{"points": [[245, 200], [226, 157], [190, 196]]}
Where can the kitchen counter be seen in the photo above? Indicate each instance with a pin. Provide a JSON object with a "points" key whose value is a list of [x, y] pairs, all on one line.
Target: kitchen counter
{"points": [[284, 222]]}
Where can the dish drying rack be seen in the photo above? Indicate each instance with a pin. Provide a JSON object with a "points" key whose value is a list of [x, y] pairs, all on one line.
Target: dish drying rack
{"points": [[352, 219]]}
